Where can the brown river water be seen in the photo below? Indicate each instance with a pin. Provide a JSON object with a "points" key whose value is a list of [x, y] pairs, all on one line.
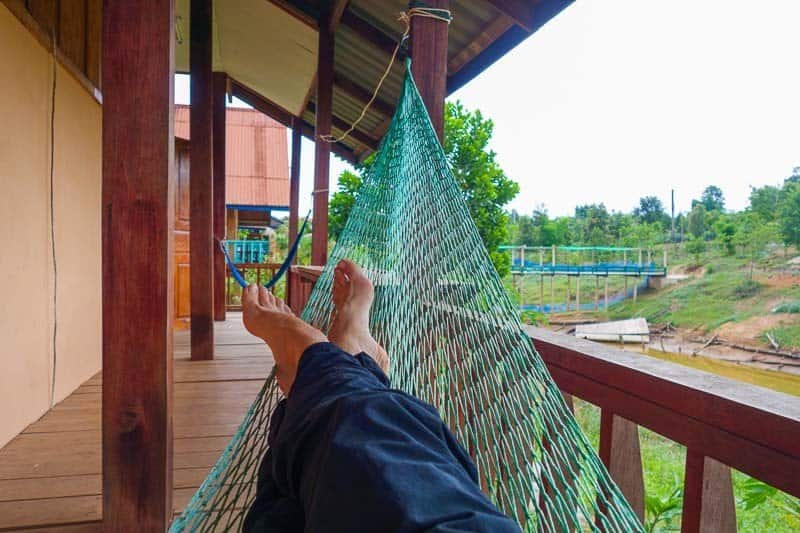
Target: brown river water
{"points": [[770, 379]]}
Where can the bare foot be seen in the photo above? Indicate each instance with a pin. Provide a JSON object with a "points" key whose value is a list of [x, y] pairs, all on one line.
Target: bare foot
{"points": [[352, 297], [268, 317]]}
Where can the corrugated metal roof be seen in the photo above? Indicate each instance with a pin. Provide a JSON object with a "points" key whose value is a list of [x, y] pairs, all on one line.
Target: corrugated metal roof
{"points": [[269, 46], [257, 157]]}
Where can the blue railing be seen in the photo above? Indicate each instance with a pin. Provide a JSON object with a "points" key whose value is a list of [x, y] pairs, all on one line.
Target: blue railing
{"points": [[248, 251], [595, 269]]}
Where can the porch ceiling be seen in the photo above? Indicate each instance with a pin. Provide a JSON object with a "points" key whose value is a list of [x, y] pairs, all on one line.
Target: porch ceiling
{"points": [[270, 47]]}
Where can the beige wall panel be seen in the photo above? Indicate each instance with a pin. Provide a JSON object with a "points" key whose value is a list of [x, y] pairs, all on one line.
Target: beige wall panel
{"points": [[26, 270]]}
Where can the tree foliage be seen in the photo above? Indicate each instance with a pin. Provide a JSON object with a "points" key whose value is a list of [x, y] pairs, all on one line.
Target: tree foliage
{"points": [[650, 210], [697, 221], [713, 199], [484, 184]]}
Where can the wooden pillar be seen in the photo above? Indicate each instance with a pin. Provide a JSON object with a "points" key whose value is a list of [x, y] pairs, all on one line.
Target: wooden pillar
{"points": [[201, 240], [294, 197], [322, 158], [220, 84], [621, 453], [429, 63], [137, 223]]}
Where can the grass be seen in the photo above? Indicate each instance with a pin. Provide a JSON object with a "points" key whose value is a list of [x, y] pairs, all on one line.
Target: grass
{"points": [[786, 336], [723, 293], [663, 465]]}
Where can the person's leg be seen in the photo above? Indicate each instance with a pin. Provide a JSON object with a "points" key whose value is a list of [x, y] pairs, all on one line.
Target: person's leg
{"points": [[269, 318], [352, 298]]}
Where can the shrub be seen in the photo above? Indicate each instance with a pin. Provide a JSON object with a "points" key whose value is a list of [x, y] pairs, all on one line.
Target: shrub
{"points": [[746, 289]]}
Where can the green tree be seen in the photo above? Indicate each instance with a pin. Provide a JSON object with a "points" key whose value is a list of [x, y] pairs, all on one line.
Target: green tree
{"points": [[753, 235], [789, 214], [713, 199], [697, 221], [342, 202], [650, 210], [725, 229], [485, 186], [764, 201], [696, 247]]}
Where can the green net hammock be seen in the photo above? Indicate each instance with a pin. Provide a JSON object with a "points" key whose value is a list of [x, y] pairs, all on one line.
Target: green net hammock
{"points": [[454, 340]]}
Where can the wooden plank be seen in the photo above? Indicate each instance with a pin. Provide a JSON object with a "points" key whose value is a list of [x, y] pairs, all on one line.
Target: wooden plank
{"points": [[369, 33], [429, 63], [138, 181], [45, 12], [72, 31], [621, 453], [220, 83], [362, 95], [60, 512], [692, 492], [319, 237], [521, 11], [94, 38], [367, 140]]}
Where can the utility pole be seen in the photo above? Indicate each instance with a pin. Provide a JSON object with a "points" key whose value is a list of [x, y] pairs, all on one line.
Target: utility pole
{"points": [[672, 229]]}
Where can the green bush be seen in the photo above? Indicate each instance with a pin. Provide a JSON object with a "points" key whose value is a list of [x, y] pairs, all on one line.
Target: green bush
{"points": [[746, 289], [533, 318]]}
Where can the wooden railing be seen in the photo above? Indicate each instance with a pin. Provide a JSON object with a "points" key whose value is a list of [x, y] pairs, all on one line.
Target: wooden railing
{"points": [[253, 272], [722, 423]]}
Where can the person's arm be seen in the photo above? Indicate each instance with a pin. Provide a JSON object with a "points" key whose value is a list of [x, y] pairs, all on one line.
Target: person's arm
{"points": [[362, 457]]}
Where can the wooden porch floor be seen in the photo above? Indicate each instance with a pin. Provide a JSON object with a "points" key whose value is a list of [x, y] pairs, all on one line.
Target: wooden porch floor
{"points": [[50, 474]]}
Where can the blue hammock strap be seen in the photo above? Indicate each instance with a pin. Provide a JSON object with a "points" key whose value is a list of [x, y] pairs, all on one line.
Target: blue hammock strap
{"points": [[239, 277]]}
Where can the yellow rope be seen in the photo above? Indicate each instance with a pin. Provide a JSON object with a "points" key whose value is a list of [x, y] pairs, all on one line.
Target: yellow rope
{"points": [[405, 17]]}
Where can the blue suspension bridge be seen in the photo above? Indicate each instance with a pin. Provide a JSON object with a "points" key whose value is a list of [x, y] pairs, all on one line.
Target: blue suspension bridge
{"points": [[600, 262]]}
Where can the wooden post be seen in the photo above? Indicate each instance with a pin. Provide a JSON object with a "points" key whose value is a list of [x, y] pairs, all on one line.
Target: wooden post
{"points": [[201, 240], [138, 210], [220, 84], [429, 63], [620, 452], [708, 503], [294, 197], [322, 157]]}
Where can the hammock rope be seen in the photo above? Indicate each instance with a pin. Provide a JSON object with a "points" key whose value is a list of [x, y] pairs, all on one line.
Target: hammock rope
{"points": [[454, 340]]}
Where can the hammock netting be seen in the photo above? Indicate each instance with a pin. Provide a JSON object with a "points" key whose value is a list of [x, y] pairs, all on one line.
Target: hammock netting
{"points": [[454, 340]]}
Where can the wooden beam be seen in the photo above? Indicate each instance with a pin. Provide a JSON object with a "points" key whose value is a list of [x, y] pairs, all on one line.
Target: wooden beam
{"points": [[520, 11], [356, 134], [201, 188], [138, 187], [323, 120], [371, 34], [429, 63], [220, 83], [362, 95]]}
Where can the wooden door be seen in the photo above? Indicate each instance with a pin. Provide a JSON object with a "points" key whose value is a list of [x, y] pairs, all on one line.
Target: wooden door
{"points": [[182, 301]]}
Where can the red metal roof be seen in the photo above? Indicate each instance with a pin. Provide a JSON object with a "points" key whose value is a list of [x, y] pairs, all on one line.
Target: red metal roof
{"points": [[257, 159]]}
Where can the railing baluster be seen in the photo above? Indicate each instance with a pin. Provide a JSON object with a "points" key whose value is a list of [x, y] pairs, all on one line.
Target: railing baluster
{"points": [[621, 453], [708, 503]]}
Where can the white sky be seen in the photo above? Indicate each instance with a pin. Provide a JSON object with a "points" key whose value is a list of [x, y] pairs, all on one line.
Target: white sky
{"points": [[618, 99]]}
